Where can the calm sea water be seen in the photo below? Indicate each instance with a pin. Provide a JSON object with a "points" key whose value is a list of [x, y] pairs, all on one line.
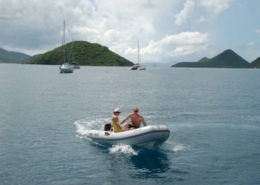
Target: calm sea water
{"points": [[213, 115]]}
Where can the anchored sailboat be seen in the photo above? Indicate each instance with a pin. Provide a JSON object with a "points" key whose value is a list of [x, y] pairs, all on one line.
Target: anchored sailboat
{"points": [[66, 66], [137, 66]]}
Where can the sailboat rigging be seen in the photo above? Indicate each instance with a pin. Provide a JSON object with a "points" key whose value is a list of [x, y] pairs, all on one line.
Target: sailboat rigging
{"points": [[137, 66], [66, 67]]}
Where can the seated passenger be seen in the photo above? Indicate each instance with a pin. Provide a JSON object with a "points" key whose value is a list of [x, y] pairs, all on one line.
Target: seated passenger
{"points": [[135, 118], [115, 121]]}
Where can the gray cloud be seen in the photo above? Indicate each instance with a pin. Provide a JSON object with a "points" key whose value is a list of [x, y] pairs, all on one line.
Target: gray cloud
{"points": [[166, 29]]}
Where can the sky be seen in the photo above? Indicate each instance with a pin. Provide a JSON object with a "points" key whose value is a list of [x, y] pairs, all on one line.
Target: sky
{"points": [[168, 31]]}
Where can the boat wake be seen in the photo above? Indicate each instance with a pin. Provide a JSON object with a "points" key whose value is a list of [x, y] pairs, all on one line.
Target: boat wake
{"points": [[92, 123], [85, 125], [122, 148], [254, 118], [174, 147]]}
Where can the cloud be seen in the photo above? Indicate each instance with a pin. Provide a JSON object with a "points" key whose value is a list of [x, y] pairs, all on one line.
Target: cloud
{"points": [[216, 6], [37, 26], [167, 29], [185, 12], [251, 43], [199, 12], [258, 32], [177, 45]]}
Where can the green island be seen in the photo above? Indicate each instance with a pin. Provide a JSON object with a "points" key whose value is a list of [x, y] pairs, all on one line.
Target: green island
{"points": [[226, 59], [92, 54], [83, 53]]}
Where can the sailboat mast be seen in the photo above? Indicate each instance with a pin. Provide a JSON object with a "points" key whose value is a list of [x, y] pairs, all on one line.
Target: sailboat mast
{"points": [[138, 51], [71, 56], [63, 41], [73, 51]]}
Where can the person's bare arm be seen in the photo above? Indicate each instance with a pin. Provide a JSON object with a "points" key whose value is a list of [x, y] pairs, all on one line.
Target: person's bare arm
{"points": [[142, 120], [126, 118]]}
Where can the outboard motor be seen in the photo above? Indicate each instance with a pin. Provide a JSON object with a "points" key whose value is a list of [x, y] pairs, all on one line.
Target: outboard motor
{"points": [[107, 126]]}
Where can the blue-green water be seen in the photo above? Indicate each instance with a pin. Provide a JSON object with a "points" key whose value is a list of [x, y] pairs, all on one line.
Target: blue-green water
{"points": [[213, 115]]}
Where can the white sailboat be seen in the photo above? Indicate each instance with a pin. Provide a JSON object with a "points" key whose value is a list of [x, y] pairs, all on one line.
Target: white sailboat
{"points": [[137, 66], [66, 66]]}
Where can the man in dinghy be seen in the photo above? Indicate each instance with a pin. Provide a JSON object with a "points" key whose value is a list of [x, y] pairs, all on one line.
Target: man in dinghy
{"points": [[135, 118]]}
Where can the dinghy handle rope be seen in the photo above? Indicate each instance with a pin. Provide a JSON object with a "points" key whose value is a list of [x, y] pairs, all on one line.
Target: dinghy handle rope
{"points": [[155, 145], [163, 128]]}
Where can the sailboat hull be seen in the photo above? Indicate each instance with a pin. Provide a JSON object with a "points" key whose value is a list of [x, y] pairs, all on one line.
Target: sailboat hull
{"points": [[135, 67], [63, 70], [141, 68], [66, 68]]}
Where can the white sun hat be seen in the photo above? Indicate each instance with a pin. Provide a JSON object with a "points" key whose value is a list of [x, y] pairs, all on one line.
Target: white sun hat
{"points": [[117, 110]]}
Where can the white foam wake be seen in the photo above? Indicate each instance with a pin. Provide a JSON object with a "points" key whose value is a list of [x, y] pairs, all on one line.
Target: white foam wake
{"points": [[174, 147], [92, 123], [122, 148]]}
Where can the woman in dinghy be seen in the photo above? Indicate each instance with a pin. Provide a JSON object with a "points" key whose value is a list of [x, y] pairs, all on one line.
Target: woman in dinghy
{"points": [[115, 125]]}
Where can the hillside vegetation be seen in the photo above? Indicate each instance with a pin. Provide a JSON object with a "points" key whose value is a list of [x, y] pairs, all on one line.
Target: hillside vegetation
{"points": [[255, 63], [85, 53], [93, 54], [12, 57], [226, 59]]}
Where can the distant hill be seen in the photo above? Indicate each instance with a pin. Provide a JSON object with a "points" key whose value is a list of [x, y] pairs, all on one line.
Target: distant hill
{"points": [[255, 63], [157, 64], [85, 53], [226, 59], [12, 57], [204, 59]]}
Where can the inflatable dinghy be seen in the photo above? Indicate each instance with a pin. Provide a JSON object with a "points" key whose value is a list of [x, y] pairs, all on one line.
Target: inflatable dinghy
{"points": [[152, 135]]}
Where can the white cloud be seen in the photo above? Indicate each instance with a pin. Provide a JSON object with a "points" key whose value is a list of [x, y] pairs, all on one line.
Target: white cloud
{"points": [[216, 6], [185, 12], [258, 32], [33, 26], [251, 43], [202, 19], [184, 43]]}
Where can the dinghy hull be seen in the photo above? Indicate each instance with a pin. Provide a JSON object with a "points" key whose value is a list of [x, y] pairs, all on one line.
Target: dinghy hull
{"points": [[152, 136]]}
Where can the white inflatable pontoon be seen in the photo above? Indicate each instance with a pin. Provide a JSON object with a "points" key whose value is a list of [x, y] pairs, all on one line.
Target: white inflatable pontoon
{"points": [[151, 135]]}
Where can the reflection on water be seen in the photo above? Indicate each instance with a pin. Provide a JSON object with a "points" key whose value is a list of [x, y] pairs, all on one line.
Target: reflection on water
{"points": [[127, 163], [130, 163], [149, 164]]}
